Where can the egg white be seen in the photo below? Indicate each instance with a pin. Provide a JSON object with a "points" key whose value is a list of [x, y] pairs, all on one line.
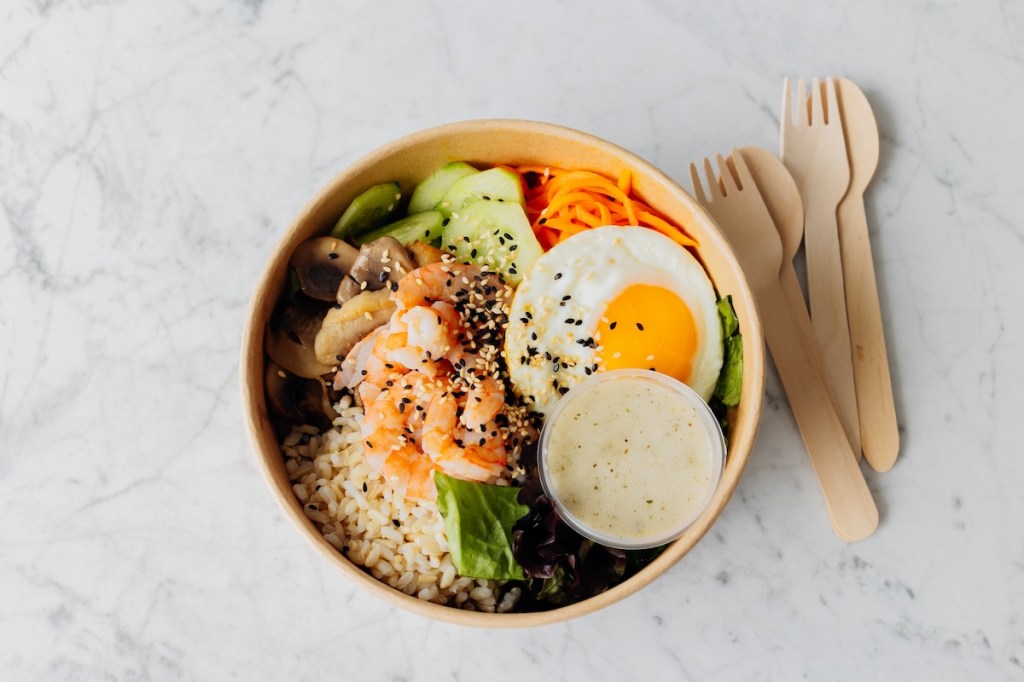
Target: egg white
{"points": [[576, 280]]}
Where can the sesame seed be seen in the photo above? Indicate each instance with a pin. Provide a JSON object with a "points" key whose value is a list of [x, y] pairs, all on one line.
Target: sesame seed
{"points": [[639, 326]]}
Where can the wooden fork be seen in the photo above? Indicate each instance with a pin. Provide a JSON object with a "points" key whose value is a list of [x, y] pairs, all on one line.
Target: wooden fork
{"points": [[814, 151], [733, 201]]}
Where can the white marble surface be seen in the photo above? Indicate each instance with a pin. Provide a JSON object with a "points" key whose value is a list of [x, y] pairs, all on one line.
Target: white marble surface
{"points": [[152, 152]]}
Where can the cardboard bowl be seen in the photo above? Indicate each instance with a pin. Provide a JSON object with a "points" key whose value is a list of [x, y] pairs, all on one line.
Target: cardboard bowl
{"points": [[485, 143]]}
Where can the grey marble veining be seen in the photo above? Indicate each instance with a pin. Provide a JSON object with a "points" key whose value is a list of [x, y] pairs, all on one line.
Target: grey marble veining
{"points": [[151, 154]]}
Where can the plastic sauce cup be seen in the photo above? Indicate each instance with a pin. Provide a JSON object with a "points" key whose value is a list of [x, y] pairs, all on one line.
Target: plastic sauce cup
{"points": [[630, 458]]}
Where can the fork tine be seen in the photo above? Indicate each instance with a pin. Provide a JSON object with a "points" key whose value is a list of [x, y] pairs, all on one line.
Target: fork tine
{"points": [[713, 187], [831, 101], [787, 96], [740, 171], [728, 181], [803, 107], [698, 188], [817, 106], [730, 164]]}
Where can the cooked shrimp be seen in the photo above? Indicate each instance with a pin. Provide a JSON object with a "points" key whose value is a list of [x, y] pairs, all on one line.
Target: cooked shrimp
{"points": [[469, 460], [382, 427], [436, 282], [428, 331], [429, 381], [483, 401], [351, 371], [410, 473]]}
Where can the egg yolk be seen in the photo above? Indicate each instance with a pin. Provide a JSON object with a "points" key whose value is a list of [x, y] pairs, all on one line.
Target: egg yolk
{"points": [[648, 327]]}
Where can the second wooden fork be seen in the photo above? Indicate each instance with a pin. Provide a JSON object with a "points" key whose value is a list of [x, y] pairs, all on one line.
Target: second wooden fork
{"points": [[814, 151]]}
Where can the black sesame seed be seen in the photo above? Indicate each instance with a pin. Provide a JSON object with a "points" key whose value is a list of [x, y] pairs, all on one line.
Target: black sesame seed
{"points": [[639, 326], [612, 325], [332, 256], [558, 275], [444, 223], [542, 221], [396, 522], [365, 487]]}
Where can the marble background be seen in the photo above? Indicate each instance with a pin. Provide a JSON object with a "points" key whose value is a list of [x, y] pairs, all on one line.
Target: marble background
{"points": [[152, 152]]}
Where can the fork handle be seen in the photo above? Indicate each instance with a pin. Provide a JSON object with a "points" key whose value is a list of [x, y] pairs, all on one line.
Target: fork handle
{"points": [[790, 337], [879, 432], [827, 299]]}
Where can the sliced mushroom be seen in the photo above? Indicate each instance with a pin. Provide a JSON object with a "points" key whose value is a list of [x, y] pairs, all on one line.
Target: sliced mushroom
{"points": [[381, 261], [424, 254], [344, 327], [291, 336], [321, 264], [296, 400]]}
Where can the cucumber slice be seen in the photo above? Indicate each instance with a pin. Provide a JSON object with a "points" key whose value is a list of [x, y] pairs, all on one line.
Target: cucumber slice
{"points": [[371, 209], [431, 191], [496, 184], [419, 227], [496, 235]]}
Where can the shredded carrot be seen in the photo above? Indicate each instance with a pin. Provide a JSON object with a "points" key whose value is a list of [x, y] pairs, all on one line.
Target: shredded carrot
{"points": [[561, 203]]}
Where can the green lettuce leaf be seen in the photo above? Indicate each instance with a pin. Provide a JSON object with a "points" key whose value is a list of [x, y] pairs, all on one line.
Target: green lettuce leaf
{"points": [[730, 381], [478, 519], [727, 314]]}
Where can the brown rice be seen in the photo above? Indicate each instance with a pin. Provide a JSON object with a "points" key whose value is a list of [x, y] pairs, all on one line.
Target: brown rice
{"points": [[398, 541]]}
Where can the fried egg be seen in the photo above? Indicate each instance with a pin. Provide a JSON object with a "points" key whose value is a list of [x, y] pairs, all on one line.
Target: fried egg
{"points": [[612, 298]]}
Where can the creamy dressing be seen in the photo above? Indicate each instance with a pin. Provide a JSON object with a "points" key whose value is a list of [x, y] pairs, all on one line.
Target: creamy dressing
{"points": [[631, 459]]}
